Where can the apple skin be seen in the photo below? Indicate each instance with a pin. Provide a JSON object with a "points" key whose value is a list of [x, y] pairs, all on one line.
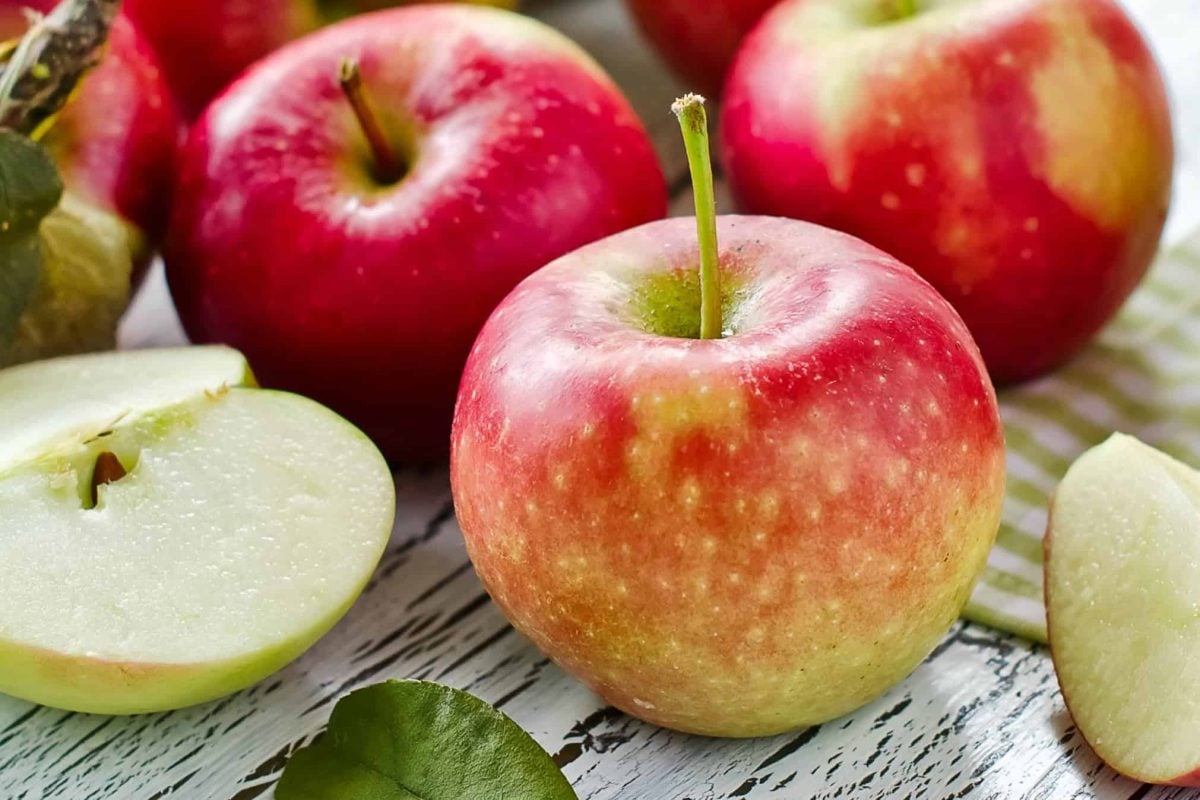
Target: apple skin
{"points": [[205, 44], [698, 38], [731, 537], [1018, 155], [117, 139], [368, 297]]}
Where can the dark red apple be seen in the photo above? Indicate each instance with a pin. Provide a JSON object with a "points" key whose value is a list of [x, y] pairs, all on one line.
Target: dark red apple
{"points": [[1018, 155], [698, 38], [366, 293], [205, 44]]}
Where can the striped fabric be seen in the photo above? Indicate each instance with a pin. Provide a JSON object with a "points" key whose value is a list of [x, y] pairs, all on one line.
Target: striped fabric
{"points": [[1142, 377]]}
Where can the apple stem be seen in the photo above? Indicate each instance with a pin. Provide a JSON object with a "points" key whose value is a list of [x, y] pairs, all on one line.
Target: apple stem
{"points": [[387, 166], [694, 124], [108, 469]]}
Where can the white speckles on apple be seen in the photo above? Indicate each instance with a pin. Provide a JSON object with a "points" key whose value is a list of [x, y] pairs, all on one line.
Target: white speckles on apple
{"points": [[914, 174], [689, 493], [890, 201], [643, 704], [756, 635], [735, 578], [814, 512], [768, 506], [560, 481], [1031, 224], [1026, 253], [531, 508], [588, 430], [932, 408], [1005, 59], [893, 119], [837, 484], [708, 545], [760, 537]]}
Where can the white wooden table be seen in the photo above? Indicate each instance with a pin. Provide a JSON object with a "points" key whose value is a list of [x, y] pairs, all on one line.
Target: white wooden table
{"points": [[982, 717]]}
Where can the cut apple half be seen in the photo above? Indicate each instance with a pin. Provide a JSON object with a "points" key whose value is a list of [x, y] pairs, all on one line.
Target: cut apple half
{"points": [[169, 535], [1123, 607]]}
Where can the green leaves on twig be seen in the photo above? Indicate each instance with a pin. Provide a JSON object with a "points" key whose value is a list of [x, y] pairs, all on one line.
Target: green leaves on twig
{"points": [[30, 188]]}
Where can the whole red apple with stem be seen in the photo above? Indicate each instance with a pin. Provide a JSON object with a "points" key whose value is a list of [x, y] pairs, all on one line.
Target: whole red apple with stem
{"points": [[1018, 155], [363, 285], [116, 140], [205, 44], [698, 38], [737, 503]]}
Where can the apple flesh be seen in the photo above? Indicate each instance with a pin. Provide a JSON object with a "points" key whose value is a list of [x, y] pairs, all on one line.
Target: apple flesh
{"points": [[247, 523], [206, 44], [366, 294], [1017, 155], [736, 536], [698, 38], [1122, 589]]}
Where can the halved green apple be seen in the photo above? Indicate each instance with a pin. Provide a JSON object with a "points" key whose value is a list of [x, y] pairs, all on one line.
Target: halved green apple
{"points": [[170, 534], [1123, 607]]}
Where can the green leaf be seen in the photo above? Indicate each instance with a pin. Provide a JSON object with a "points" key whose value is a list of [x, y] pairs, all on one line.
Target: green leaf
{"points": [[30, 188], [414, 740]]}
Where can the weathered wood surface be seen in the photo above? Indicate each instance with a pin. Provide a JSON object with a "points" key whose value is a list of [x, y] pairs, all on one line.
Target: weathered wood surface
{"points": [[982, 717]]}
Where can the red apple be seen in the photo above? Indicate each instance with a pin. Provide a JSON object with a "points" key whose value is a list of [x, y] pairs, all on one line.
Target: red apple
{"points": [[365, 293], [698, 38], [735, 536], [116, 140], [205, 44], [1017, 154]]}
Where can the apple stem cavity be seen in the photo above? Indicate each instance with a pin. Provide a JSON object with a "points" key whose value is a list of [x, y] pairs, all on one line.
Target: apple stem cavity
{"points": [[387, 167], [903, 9], [108, 469], [694, 124]]}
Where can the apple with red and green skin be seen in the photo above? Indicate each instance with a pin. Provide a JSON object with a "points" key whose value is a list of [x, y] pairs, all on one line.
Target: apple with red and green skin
{"points": [[698, 38], [205, 44], [1018, 155], [116, 140], [366, 294], [734, 536]]}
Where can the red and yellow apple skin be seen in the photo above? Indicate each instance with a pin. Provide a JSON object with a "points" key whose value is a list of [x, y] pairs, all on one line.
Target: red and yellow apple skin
{"points": [[1018, 155], [205, 44], [368, 296], [116, 140], [698, 38], [732, 537]]}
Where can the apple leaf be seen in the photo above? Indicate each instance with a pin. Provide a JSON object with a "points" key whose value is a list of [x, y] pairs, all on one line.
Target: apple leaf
{"points": [[30, 188], [415, 740]]}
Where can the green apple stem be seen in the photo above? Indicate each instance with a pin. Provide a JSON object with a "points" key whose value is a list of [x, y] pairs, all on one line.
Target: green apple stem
{"points": [[108, 469], [694, 124], [387, 166]]}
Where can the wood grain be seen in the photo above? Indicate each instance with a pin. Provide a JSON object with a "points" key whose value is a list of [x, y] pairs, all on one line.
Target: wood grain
{"points": [[982, 717]]}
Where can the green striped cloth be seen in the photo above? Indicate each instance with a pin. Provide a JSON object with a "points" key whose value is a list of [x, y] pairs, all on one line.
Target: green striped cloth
{"points": [[1142, 377]]}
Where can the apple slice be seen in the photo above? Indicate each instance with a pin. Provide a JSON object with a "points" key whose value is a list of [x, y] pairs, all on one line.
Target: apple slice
{"points": [[1123, 607], [239, 525]]}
